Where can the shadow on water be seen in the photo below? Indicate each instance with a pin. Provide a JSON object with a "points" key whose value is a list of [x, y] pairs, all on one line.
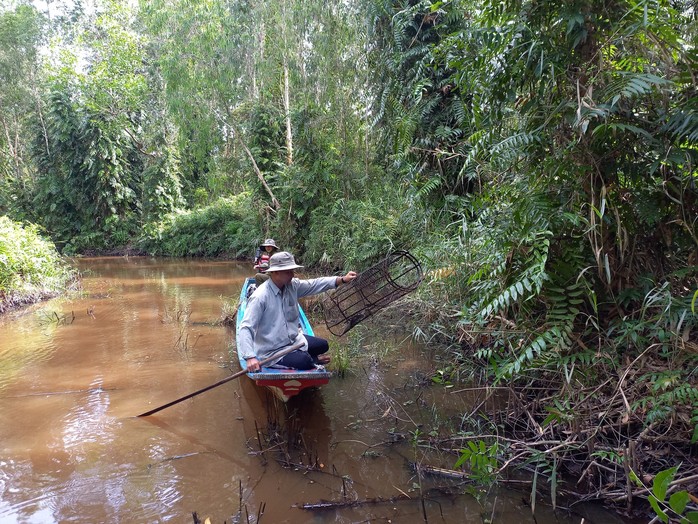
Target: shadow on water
{"points": [[146, 331]]}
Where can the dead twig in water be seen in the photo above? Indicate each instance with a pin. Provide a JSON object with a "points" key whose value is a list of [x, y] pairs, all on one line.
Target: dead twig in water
{"points": [[403, 497], [432, 470], [327, 504], [260, 511], [368, 446], [177, 457]]}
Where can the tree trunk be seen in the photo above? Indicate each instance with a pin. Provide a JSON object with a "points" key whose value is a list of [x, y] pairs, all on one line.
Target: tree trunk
{"points": [[258, 172], [287, 111], [286, 88]]}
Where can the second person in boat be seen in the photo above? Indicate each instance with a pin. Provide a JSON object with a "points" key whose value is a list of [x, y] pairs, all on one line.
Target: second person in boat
{"points": [[261, 260]]}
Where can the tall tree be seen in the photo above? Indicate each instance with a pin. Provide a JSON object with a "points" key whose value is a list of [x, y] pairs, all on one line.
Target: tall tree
{"points": [[252, 77], [422, 116], [204, 54], [21, 35], [90, 169]]}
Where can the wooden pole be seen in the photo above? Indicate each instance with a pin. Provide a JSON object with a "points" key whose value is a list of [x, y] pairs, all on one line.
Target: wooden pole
{"points": [[280, 354]]}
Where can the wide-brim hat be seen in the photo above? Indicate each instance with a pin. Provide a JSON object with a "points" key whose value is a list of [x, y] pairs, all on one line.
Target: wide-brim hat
{"points": [[269, 242], [282, 261]]}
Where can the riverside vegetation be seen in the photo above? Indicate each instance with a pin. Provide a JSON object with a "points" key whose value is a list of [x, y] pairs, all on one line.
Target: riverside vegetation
{"points": [[30, 267], [538, 157]]}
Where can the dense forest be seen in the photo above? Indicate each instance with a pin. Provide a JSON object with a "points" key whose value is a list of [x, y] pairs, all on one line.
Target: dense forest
{"points": [[538, 156]]}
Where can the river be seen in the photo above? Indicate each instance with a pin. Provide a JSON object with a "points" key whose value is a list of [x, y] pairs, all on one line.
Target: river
{"points": [[75, 373]]}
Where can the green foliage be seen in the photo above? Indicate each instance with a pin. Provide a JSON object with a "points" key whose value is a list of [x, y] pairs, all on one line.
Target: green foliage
{"points": [[443, 377], [21, 35], [347, 353], [664, 322], [481, 457], [30, 266], [560, 166], [198, 87], [229, 91], [86, 166], [667, 393], [514, 270], [358, 231], [162, 186], [424, 118], [559, 170], [265, 137], [325, 169], [95, 179], [549, 468], [226, 227], [678, 504], [88, 181]]}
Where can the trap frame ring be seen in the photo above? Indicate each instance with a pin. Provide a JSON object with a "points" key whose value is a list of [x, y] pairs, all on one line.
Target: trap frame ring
{"points": [[372, 290]]}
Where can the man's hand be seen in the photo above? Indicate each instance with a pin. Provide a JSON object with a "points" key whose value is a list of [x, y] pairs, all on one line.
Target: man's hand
{"points": [[252, 364], [346, 278]]}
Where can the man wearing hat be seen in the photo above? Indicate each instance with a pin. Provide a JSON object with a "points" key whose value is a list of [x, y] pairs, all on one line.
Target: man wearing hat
{"points": [[264, 253], [271, 320], [261, 260]]}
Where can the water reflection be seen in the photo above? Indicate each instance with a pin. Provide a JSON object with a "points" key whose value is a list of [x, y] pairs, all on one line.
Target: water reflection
{"points": [[16, 360], [75, 373]]}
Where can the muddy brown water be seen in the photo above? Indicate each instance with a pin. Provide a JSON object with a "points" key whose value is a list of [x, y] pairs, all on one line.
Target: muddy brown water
{"points": [[75, 372]]}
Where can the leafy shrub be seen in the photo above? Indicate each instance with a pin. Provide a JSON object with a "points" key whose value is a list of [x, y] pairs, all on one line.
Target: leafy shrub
{"points": [[30, 266], [228, 226], [356, 231], [677, 506]]}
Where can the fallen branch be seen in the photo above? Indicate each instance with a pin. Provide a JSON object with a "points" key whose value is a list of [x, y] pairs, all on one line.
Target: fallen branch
{"points": [[327, 504], [450, 473]]}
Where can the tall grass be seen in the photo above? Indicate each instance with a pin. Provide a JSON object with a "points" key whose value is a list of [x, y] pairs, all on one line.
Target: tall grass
{"points": [[30, 266]]}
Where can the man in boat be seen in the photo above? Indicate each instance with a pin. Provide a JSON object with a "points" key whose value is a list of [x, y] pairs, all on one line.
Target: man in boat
{"points": [[261, 260], [271, 320]]}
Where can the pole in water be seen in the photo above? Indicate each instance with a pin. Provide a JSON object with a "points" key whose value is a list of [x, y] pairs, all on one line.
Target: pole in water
{"points": [[280, 354]]}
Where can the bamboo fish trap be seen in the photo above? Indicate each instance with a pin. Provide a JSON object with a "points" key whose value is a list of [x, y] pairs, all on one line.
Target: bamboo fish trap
{"points": [[372, 290]]}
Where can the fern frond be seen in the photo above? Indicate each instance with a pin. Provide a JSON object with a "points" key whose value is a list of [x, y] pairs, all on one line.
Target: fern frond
{"points": [[478, 153], [565, 293], [631, 84], [512, 147], [458, 112], [683, 125], [554, 340], [429, 186], [613, 128]]}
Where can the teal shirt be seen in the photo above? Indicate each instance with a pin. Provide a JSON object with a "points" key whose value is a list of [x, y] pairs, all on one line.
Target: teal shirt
{"points": [[271, 319]]}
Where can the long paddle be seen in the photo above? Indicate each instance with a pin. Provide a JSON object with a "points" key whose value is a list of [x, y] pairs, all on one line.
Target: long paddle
{"points": [[280, 354]]}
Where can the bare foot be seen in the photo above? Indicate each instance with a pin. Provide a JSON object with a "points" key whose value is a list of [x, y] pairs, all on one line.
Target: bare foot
{"points": [[323, 359]]}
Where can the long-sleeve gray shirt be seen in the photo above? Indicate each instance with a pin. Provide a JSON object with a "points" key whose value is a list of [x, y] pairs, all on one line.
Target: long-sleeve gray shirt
{"points": [[271, 319]]}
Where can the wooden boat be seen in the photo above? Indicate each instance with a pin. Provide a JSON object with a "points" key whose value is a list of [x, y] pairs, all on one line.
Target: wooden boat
{"points": [[284, 383]]}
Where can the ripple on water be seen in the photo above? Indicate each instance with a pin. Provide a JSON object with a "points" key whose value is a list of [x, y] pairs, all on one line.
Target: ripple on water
{"points": [[19, 349], [81, 491]]}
